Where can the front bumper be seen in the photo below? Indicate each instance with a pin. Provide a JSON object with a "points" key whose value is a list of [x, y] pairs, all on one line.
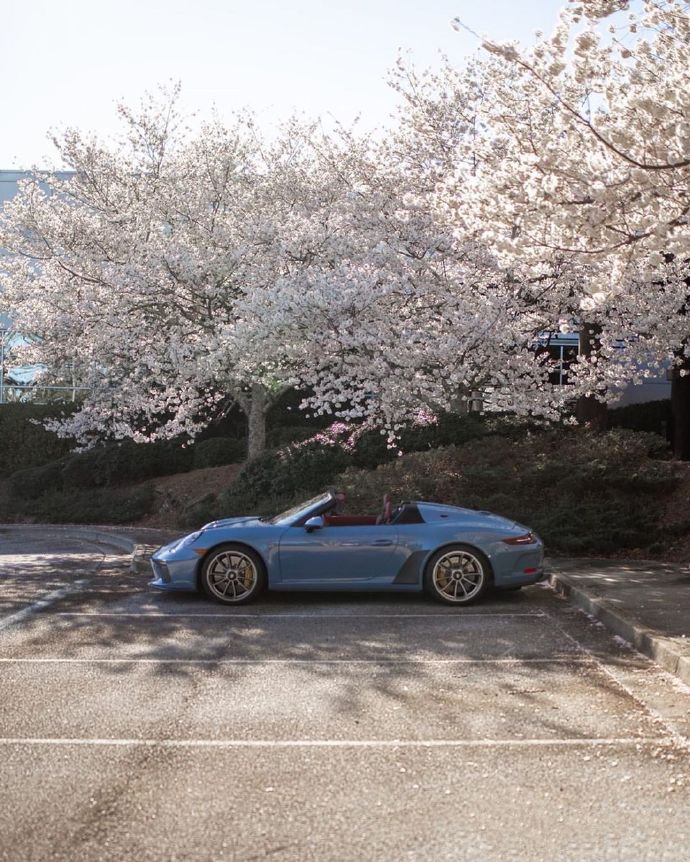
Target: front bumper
{"points": [[161, 572], [173, 572]]}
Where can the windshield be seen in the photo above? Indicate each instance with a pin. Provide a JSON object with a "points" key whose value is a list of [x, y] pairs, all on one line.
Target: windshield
{"points": [[301, 509]]}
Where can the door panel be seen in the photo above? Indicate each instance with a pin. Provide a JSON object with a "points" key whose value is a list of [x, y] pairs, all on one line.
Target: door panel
{"points": [[340, 554]]}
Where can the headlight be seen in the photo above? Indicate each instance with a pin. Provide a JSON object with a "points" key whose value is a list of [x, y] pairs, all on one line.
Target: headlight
{"points": [[186, 540]]}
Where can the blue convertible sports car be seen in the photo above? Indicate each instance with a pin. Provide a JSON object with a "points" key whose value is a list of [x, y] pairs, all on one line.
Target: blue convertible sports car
{"points": [[455, 554]]}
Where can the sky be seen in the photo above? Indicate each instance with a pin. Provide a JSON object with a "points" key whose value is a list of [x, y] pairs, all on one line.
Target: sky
{"points": [[70, 62]]}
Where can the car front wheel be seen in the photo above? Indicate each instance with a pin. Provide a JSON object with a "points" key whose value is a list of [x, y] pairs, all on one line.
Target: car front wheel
{"points": [[458, 575], [233, 575]]}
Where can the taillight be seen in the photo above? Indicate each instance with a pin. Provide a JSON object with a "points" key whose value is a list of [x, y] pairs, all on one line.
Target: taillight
{"points": [[524, 539]]}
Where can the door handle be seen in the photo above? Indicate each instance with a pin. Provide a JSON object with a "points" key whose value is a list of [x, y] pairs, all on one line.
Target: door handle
{"points": [[382, 542]]}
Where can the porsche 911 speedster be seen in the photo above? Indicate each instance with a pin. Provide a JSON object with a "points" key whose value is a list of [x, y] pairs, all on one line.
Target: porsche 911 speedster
{"points": [[454, 554]]}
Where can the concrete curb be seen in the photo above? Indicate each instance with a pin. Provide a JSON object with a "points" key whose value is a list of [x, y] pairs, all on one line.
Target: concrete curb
{"points": [[141, 560], [121, 543], [139, 552], [100, 535], [648, 641]]}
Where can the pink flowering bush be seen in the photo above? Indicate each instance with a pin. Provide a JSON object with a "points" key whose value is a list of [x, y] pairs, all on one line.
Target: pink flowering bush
{"points": [[342, 434], [348, 436]]}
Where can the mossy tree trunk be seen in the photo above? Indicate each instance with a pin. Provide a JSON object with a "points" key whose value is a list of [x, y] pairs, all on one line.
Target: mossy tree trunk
{"points": [[254, 402], [256, 422]]}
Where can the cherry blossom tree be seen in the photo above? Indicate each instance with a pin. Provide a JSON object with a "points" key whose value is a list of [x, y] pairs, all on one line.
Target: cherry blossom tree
{"points": [[137, 269], [179, 270], [404, 314], [536, 189], [580, 175]]}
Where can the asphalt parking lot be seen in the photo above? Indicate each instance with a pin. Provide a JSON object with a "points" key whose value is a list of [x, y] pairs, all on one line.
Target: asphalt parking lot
{"points": [[147, 726]]}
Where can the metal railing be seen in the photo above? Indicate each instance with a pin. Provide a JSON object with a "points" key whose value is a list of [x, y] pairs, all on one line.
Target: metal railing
{"points": [[28, 388], [14, 393]]}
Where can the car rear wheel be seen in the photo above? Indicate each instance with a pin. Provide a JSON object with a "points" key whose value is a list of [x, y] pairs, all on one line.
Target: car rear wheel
{"points": [[458, 575], [233, 575]]}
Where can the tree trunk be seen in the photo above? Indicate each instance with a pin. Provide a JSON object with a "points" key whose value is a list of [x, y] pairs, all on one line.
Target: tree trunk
{"points": [[589, 410], [680, 411], [256, 422]]}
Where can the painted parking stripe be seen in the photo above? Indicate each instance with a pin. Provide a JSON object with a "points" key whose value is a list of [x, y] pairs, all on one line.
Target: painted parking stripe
{"points": [[607, 669], [313, 616], [344, 743], [43, 603], [286, 661], [51, 598]]}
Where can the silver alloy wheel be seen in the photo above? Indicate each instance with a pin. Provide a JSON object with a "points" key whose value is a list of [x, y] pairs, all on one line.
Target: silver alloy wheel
{"points": [[458, 576], [231, 576]]}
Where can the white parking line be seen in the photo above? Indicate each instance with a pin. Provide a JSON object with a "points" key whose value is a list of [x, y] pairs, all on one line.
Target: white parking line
{"points": [[345, 743], [230, 615], [55, 596], [231, 661], [606, 669], [45, 602]]}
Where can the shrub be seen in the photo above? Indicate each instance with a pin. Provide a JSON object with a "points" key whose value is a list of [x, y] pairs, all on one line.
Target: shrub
{"points": [[86, 506], [34, 481], [450, 429], [24, 442], [130, 461], [372, 449], [597, 526], [90, 469], [126, 461], [201, 511], [286, 434], [653, 416], [583, 493], [217, 451], [278, 477], [307, 468]]}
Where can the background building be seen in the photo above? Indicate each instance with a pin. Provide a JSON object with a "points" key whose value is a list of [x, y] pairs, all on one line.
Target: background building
{"points": [[17, 382]]}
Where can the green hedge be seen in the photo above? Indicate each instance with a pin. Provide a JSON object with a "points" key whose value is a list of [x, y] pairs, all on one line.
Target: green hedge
{"points": [[276, 438], [83, 506], [652, 416], [24, 443], [122, 463], [35, 481], [217, 451], [278, 476], [117, 463], [583, 493]]}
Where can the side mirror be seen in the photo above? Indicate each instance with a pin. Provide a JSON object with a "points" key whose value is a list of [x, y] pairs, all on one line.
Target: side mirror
{"points": [[314, 524]]}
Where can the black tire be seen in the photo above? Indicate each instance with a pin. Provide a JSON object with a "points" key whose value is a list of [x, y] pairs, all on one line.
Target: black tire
{"points": [[233, 574], [458, 575]]}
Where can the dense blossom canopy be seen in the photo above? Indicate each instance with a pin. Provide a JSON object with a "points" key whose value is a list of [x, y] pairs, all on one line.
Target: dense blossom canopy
{"points": [[533, 190], [582, 168]]}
